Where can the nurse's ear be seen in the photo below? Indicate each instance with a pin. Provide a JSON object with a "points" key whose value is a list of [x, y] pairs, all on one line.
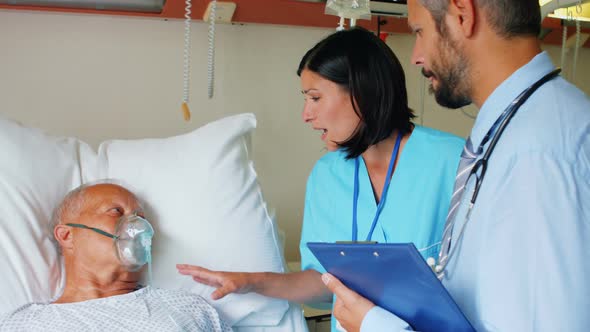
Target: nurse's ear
{"points": [[64, 236]]}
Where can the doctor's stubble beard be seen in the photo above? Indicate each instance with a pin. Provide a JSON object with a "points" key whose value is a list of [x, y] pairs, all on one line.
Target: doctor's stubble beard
{"points": [[452, 73]]}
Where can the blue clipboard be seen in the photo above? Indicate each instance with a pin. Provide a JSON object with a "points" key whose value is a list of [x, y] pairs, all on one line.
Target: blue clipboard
{"points": [[396, 278]]}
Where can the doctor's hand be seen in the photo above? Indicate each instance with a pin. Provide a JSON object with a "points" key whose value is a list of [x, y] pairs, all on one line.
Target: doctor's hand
{"points": [[225, 282], [350, 308]]}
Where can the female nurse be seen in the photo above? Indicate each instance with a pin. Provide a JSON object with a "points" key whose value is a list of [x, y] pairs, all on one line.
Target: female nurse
{"points": [[384, 178]]}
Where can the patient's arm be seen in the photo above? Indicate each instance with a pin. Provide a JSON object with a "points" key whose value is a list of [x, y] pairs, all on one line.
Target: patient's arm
{"points": [[302, 287]]}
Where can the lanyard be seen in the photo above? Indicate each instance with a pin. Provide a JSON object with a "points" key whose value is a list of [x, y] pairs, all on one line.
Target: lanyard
{"points": [[355, 199]]}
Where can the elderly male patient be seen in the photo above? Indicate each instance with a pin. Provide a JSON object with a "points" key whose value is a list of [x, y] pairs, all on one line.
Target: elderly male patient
{"points": [[106, 242]]}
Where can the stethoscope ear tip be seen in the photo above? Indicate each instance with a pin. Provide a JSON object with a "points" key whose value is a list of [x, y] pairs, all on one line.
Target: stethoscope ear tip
{"points": [[436, 268], [431, 262]]}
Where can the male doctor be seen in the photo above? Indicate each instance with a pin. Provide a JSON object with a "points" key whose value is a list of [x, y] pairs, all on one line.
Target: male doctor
{"points": [[523, 261]]}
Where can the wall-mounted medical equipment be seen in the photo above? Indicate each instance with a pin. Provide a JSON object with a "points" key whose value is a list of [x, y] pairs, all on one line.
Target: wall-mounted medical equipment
{"points": [[348, 9], [571, 12], [186, 72], [354, 10], [215, 12], [396, 8], [560, 8], [211, 50], [149, 6]]}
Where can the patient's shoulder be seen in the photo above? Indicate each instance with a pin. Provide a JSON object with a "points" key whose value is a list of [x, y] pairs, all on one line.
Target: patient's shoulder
{"points": [[26, 309], [27, 312]]}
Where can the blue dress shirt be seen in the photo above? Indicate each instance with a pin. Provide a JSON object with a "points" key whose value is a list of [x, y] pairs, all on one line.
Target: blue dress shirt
{"points": [[523, 263]]}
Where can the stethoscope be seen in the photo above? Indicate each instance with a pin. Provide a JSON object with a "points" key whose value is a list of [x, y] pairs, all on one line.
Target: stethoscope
{"points": [[480, 167]]}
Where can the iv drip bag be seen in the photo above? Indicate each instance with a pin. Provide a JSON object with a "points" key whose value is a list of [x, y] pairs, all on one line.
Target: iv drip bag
{"points": [[351, 9]]}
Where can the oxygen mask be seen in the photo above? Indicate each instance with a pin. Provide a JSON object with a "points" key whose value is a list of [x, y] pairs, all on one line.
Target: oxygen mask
{"points": [[132, 239]]}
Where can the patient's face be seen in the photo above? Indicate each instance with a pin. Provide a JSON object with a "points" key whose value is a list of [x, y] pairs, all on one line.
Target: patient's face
{"points": [[103, 205]]}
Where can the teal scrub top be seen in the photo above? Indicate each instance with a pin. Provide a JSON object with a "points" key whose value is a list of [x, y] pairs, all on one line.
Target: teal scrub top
{"points": [[417, 203]]}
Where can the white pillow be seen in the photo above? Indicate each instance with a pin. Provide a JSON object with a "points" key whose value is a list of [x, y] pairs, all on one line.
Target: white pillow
{"points": [[201, 193], [36, 171]]}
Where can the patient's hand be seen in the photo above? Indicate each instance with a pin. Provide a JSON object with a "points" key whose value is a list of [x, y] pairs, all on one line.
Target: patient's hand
{"points": [[225, 282]]}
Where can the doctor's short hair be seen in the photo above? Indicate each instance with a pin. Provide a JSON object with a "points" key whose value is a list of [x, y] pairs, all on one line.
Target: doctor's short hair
{"points": [[365, 67], [509, 18]]}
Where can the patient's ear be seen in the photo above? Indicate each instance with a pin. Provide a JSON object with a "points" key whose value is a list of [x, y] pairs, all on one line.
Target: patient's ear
{"points": [[64, 236]]}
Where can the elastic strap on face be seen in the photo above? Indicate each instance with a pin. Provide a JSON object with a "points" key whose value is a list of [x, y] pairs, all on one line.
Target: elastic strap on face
{"points": [[99, 231]]}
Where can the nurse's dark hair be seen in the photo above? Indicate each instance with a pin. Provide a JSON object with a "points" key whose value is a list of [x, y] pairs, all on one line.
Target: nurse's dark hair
{"points": [[509, 18], [365, 67]]}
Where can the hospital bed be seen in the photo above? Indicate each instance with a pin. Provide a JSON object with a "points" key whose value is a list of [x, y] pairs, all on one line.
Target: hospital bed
{"points": [[200, 191]]}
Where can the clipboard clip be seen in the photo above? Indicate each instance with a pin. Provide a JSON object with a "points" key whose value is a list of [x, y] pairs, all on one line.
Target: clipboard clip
{"points": [[342, 253]]}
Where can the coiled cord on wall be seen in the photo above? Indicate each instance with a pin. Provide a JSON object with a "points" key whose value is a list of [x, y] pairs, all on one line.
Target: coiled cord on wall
{"points": [[187, 60], [563, 47], [577, 48], [211, 51]]}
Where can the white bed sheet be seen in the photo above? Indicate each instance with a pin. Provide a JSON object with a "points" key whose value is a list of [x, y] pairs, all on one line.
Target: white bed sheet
{"points": [[293, 321]]}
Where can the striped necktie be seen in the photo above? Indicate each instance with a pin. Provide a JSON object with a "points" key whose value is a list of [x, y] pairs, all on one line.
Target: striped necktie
{"points": [[468, 158]]}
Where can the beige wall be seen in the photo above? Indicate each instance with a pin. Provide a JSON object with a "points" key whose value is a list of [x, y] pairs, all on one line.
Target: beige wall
{"points": [[100, 77]]}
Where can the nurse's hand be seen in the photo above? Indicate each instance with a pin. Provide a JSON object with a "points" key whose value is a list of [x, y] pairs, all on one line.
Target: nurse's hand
{"points": [[225, 282], [350, 308]]}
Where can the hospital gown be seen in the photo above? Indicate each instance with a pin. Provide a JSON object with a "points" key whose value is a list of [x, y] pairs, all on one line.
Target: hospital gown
{"points": [[148, 309]]}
